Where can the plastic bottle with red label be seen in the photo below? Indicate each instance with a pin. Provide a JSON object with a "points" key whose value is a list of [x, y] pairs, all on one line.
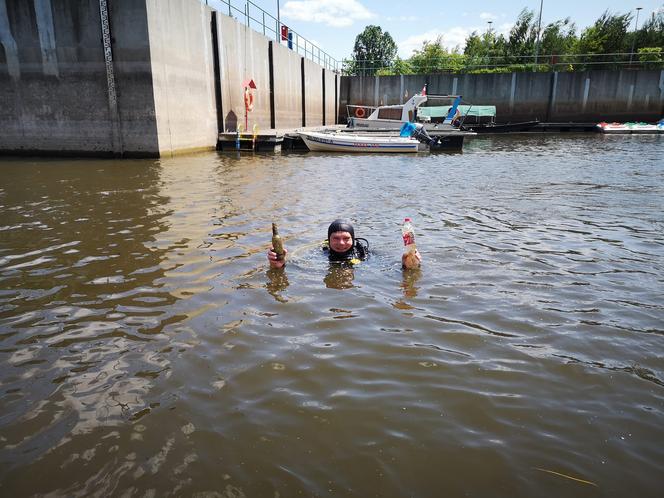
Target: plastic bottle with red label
{"points": [[408, 234]]}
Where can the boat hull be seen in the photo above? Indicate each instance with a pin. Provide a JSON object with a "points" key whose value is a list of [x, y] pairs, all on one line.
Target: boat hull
{"points": [[338, 142], [630, 128]]}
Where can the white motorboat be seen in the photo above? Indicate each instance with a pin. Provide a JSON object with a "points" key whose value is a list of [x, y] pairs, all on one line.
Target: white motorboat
{"points": [[392, 117], [348, 142]]}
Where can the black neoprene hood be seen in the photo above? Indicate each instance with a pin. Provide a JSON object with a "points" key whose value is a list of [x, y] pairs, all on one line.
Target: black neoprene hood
{"points": [[341, 226]]}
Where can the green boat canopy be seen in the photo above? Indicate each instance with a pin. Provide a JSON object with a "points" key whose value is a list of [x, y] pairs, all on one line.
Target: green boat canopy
{"points": [[465, 110]]}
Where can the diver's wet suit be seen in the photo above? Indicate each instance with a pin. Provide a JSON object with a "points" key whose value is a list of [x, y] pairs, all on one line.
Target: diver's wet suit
{"points": [[358, 252]]}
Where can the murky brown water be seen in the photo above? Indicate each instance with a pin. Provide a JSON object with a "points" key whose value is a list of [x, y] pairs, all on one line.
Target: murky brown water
{"points": [[145, 350]]}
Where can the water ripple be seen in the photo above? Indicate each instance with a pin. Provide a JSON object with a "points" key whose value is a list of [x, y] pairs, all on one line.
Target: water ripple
{"points": [[147, 349]]}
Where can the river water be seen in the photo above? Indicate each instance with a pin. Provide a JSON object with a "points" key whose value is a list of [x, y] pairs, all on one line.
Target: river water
{"points": [[147, 350]]}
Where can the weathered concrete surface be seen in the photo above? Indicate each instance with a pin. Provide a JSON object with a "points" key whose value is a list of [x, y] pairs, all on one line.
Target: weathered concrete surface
{"points": [[553, 97], [53, 90], [134, 79], [313, 93], [330, 103], [55, 97], [243, 54], [613, 96], [182, 74], [287, 87], [54, 93]]}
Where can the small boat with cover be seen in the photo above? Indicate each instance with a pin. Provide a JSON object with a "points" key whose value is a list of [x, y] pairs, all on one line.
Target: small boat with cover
{"points": [[476, 118]]}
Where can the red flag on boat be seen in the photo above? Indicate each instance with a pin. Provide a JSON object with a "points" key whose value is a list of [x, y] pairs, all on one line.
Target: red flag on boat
{"points": [[424, 90]]}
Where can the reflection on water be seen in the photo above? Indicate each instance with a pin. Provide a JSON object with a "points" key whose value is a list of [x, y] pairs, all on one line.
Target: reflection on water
{"points": [[277, 283], [409, 282], [339, 276], [146, 348]]}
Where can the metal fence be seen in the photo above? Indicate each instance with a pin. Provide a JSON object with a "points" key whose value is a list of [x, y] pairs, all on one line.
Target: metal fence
{"points": [[459, 63], [263, 22]]}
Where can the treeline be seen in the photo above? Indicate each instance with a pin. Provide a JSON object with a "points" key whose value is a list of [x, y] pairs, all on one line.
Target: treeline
{"points": [[607, 44]]}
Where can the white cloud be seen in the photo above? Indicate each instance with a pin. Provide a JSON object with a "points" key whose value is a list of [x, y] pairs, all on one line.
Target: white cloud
{"points": [[335, 13], [411, 43], [452, 38], [504, 29], [403, 18], [488, 16]]}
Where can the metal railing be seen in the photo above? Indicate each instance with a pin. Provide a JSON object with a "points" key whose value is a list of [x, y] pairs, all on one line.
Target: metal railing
{"points": [[263, 22], [462, 64]]}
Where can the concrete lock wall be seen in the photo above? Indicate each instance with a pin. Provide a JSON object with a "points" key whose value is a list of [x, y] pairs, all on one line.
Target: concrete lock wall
{"points": [[287, 87], [53, 80], [182, 74], [313, 93], [591, 96], [56, 96], [153, 92], [330, 81], [133, 128], [622, 96], [243, 54]]}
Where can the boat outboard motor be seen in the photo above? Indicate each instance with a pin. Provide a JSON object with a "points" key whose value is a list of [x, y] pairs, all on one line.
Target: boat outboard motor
{"points": [[422, 136], [418, 132]]}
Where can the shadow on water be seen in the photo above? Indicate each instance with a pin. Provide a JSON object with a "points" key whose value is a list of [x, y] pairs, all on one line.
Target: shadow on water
{"points": [[80, 275]]}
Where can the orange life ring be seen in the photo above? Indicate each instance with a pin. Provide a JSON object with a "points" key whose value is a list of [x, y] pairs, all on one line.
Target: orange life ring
{"points": [[359, 112], [248, 100]]}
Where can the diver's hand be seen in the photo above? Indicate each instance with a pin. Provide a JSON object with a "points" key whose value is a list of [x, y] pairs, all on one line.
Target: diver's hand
{"points": [[411, 261], [272, 258]]}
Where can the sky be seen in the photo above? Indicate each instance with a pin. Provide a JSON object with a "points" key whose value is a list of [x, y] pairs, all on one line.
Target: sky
{"points": [[334, 24]]}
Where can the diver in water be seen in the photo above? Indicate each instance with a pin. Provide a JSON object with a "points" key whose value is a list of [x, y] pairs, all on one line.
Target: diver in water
{"points": [[341, 246]]}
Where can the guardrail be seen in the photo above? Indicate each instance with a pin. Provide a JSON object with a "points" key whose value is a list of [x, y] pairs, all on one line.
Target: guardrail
{"points": [[263, 22], [459, 63]]}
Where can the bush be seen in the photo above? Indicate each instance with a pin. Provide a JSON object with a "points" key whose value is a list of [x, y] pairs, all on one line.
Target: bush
{"points": [[651, 57]]}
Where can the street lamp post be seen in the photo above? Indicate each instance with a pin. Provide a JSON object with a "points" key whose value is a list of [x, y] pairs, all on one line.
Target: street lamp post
{"points": [[488, 42], [636, 27], [539, 28], [278, 33]]}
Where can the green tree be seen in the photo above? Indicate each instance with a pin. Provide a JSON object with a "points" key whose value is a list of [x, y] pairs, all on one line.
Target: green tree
{"points": [[651, 33], [558, 40], [373, 50], [484, 51], [433, 57], [399, 66], [606, 36], [522, 38]]}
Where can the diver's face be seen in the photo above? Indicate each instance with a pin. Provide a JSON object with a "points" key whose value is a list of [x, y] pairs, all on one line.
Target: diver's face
{"points": [[341, 241]]}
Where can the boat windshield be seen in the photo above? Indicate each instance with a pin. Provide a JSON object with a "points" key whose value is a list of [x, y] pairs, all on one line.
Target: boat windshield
{"points": [[390, 113]]}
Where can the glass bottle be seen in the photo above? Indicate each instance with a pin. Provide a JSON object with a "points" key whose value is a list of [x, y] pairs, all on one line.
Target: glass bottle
{"points": [[277, 243]]}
